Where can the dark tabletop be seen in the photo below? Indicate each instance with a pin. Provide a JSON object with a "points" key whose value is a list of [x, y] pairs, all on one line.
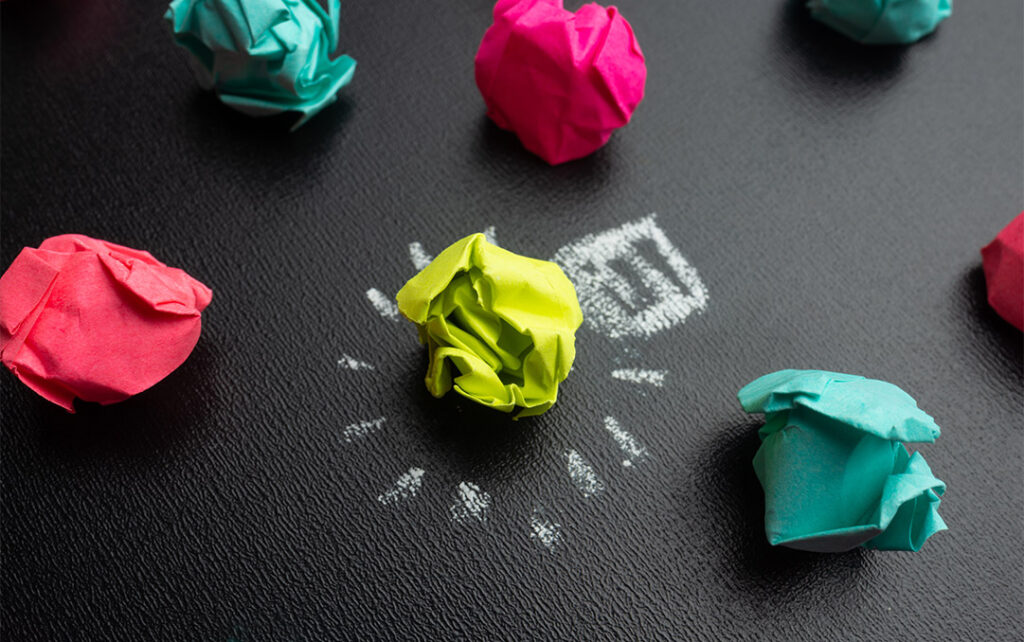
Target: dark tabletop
{"points": [[832, 199]]}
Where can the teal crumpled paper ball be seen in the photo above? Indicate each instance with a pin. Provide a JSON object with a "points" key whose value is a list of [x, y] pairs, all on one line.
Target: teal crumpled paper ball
{"points": [[264, 57], [835, 472], [882, 22]]}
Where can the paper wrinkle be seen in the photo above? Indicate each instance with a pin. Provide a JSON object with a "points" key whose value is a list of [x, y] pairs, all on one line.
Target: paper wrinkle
{"points": [[85, 318], [882, 22], [264, 57], [833, 466], [561, 81], [505, 323]]}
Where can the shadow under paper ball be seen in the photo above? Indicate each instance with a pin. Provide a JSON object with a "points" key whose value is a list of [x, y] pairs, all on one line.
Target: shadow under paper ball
{"points": [[266, 142], [167, 417], [985, 333], [733, 502], [828, 65], [480, 442], [502, 151]]}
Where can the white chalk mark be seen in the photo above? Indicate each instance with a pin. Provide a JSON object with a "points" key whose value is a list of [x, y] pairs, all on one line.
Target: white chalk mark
{"points": [[383, 303], [626, 442], [545, 531], [472, 503], [611, 304], [405, 488], [351, 363], [635, 375], [491, 234], [419, 257], [359, 430], [582, 474]]}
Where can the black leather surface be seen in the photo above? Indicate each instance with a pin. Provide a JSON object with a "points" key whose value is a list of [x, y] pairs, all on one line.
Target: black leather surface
{"points": [[833, 199]]}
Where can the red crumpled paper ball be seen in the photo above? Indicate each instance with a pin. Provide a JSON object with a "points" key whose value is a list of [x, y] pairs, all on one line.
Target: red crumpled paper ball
{"points": [[561, 81], [1003, 261], [80, 317]]}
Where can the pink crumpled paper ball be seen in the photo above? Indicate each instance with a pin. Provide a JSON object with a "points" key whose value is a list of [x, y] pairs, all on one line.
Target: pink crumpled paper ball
{"points": [[561, 81], [1003, 262], [80, 317]]}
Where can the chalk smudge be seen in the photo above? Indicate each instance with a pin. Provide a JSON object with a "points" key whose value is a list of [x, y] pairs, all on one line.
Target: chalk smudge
{"points": [[419, 257], [582, 474], [405, 487], [359, 430], [545, 531], [471, 503], [351, 363], [383, 303], [627, 442], [635, 375]]}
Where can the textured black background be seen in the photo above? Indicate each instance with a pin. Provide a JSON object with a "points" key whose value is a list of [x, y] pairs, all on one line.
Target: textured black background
{"points": [[832, 197]]}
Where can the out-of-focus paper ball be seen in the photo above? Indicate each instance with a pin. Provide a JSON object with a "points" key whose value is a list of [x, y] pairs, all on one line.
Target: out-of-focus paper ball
{"points": [[500, 328], [1003, 262], [85, 318], [882, 22], [561, 81], [264, 57]]}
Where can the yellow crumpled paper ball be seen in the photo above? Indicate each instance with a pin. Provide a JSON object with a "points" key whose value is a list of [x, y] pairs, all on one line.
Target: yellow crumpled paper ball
{"points": [[500, 328]]}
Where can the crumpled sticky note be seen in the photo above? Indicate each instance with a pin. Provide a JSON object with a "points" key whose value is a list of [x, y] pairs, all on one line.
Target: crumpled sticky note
{"points": [[835, 472], [500, 328], [561, 81], [80, 317], [1003, 262], [882, 22], [264, 57]]}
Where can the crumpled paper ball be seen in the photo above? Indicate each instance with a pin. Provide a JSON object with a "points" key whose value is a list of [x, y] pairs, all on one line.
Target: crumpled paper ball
{"points": [[264, 57], [1003, 262], [500, 328], [835, 472], [85, 318], [882, 22], [561, 81]]}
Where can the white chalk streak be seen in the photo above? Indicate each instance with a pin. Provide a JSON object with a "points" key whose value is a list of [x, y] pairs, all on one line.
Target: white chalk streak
{"points": [[405, 488], [611, 304], [419, 257], [653, 377], [363, 428], [351, 363], [490, 234], [583, 475], [383, 303], [472, 503], [545, 531], [626, 442]]}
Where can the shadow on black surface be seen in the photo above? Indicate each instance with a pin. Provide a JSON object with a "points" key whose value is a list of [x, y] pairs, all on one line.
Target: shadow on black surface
{"points": [[735, 511], [828, 61], [266, 141], [153, 422], [502, 150], [56, 22], [477, 440], [985, 324]]}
